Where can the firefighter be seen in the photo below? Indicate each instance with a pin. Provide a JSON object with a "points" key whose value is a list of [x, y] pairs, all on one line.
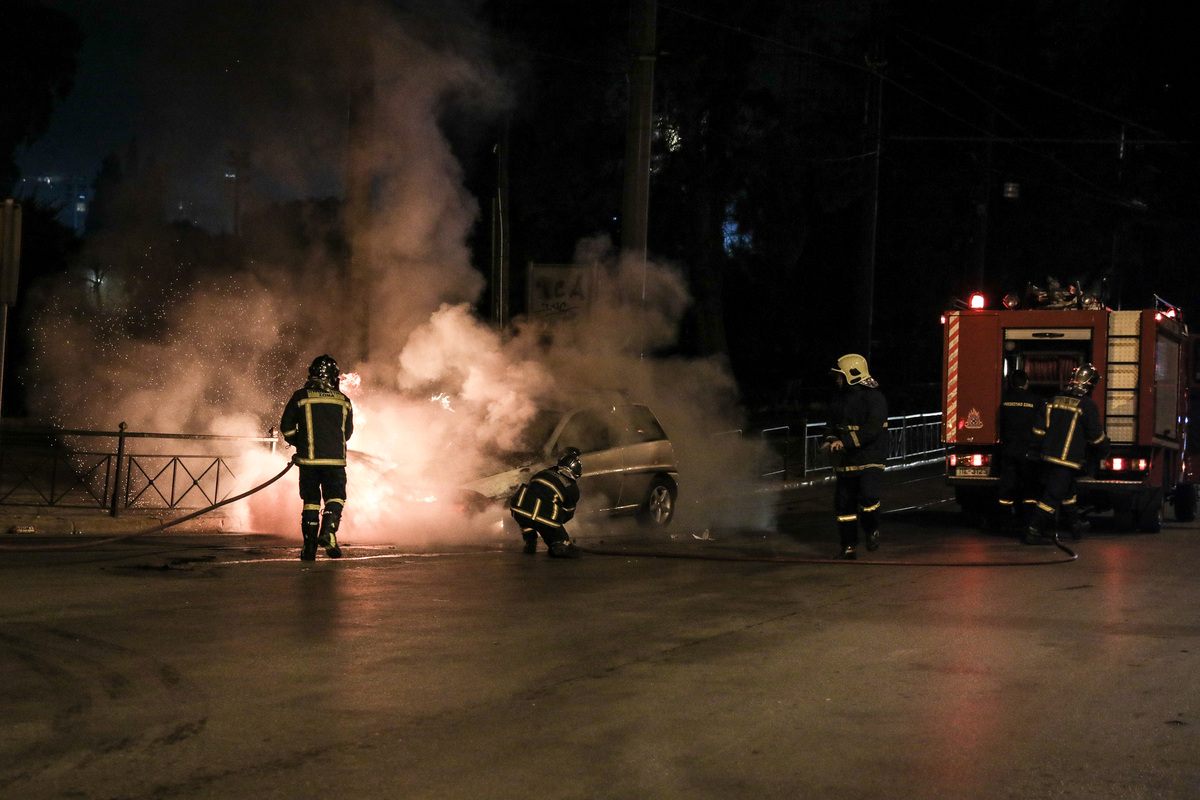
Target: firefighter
{"points": [[1020, 409], [547, 503], [317, 421], [1068, 435], [858, 446]]}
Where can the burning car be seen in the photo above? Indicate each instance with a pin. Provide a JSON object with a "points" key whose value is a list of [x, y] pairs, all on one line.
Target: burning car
{"points": [[629, 465]]}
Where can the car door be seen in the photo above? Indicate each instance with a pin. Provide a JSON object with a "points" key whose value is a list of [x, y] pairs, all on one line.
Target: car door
{"points": [[591, 430]]}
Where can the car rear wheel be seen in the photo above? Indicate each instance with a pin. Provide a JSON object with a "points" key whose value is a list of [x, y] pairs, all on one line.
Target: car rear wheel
{"points": [[659, 505]]}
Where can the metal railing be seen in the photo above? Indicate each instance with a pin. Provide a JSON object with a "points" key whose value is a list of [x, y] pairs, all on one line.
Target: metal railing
{"points": [[90, 469], [913, 439]]}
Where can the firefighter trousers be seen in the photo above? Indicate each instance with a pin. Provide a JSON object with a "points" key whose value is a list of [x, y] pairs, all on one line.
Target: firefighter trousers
{"points": [[1058, 495], [316, 484], [1019, 488], [856, 502]]}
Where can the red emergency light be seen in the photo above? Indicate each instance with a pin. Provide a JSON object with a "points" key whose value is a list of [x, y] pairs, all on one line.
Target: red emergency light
{"points": [[976, 301]]}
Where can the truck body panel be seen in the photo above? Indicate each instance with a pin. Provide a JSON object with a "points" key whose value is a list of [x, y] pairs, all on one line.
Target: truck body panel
{"points": [[1145, 362]]}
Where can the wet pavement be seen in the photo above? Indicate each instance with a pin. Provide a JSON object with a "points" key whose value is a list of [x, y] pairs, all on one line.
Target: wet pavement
{"points": [[206, 664]]}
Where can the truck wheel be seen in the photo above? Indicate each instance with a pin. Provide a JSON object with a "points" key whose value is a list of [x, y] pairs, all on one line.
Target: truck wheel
{"points": [[1149, 516], [1183, 501]]}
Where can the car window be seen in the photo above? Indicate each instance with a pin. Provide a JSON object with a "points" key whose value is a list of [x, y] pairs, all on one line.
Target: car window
{"points": [[585, 430], [637, 424], [536, 433]]}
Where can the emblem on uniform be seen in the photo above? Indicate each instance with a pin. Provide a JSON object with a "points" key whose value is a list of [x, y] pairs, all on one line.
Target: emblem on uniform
{"points": [[973, 419]]}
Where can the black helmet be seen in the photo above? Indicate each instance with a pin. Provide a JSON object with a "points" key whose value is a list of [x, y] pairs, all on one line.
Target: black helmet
{"points": [[324, 370], [1083, 380], [570, 461]]}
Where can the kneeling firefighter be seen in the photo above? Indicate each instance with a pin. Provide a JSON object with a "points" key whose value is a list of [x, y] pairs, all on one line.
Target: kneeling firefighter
{"points": [[317, 421], [1068, 436], [547, 503]]}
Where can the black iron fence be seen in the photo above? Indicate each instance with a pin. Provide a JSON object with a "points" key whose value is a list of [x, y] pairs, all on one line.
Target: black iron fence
{"points": [[793, 452], [122, 469]]}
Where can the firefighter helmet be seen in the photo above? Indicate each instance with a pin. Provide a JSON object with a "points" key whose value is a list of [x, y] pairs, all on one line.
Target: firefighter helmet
{"points": [[325, 371], [570, 462], [1083, 380], [853, 367]]}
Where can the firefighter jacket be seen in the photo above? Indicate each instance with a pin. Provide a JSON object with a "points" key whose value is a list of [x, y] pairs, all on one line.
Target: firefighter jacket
{"points": [[861, 426], [1020, 410], [547, 501], [1070, 431], [317, 422]]}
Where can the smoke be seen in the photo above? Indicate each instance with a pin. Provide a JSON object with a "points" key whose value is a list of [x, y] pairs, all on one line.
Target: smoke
{"points": [[149, 333]]}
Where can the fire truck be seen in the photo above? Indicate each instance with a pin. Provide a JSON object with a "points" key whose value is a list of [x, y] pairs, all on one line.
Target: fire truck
{"points": [[1147, 365]]}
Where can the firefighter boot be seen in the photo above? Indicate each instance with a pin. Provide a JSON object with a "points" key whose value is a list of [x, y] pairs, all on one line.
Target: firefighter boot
{"points": [[564, 548], [328, 535], [530, 542], [308, 526], [1035, 535], [849, 553], [1072, 522], [873, 541]]}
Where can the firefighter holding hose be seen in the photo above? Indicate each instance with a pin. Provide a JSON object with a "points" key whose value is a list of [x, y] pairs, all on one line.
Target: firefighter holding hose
{"points": [[317, 421], [1069, 435], [547, 503], [858, 445]]}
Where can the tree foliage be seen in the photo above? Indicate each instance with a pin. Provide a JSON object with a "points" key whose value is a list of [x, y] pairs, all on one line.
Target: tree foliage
{"points": [[37, 71]]}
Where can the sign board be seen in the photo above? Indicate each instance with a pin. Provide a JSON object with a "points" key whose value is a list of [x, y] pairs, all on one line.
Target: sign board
{"points": [[561, 291], [10, 251]]}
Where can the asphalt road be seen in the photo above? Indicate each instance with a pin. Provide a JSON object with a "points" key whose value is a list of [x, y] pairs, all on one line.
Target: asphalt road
{"points": [[741, 665]]}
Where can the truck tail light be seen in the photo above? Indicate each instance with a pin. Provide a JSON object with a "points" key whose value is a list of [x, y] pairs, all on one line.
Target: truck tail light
{"points": [[970, 459], [1119, 464]]}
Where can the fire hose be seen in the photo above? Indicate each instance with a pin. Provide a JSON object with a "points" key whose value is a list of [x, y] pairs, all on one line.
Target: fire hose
{"points": [[1070, 555], [155, 529]]}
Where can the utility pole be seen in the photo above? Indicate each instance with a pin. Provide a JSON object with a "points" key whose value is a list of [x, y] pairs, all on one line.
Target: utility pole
{"points": [[360, 179], [873, 141], [501, 272], [10, 262], [635, 210]]}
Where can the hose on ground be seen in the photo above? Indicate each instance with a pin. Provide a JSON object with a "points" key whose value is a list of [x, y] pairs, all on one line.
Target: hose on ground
{"points": [[1070, 555], [155, 529]]}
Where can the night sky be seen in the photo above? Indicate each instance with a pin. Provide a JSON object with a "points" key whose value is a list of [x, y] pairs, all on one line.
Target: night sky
{"points": [[1054, 88]]}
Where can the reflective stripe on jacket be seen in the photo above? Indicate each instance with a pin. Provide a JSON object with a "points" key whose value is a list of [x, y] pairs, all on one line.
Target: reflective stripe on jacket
{"points": [[549, 499], [317, 422], [861, 426], [1070, 429]]}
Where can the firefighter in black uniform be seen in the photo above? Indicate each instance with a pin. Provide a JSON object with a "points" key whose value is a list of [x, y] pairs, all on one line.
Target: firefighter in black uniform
{"points": [[1070, 434], [547, 503], [858, 446], [1020, 409], [317, 421]]}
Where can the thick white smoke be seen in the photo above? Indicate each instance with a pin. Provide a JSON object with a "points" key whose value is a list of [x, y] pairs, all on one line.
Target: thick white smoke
{"points": [[442, 390]]}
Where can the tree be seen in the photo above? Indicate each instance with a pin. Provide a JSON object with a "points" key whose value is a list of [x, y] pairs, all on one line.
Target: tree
{"points": [[37, 71]]}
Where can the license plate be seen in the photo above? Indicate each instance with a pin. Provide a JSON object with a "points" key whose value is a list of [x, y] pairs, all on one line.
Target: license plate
{"points": [[973, 472]]}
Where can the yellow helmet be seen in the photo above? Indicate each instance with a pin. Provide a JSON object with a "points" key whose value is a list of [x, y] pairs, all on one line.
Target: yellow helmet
{"points": [[853, 367]]}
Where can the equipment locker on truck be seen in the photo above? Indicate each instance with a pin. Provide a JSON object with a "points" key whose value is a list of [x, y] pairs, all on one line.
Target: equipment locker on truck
{"points": [[1145, 362]]}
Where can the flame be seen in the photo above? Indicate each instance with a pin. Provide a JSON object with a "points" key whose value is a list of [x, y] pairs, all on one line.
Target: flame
{"points": [[350, 383], [443, 400]]}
